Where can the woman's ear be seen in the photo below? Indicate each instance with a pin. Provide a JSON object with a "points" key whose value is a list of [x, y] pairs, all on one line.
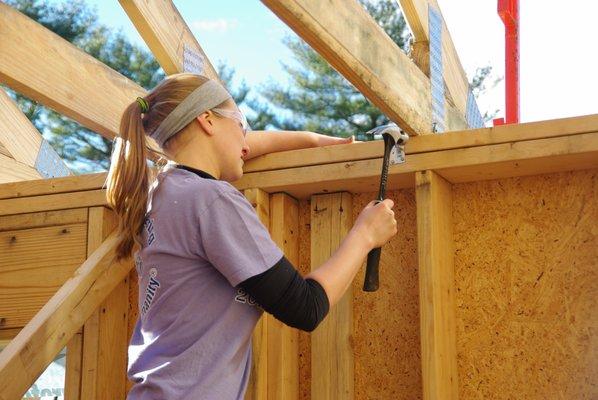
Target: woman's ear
{"points": [[206, 121]]}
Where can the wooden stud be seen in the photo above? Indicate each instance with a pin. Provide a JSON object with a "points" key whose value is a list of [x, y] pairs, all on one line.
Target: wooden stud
{"points": [[74, 362], [436, 286], [332, 364], [258, 379], [283, 341], [105, 338], [167, 35]]}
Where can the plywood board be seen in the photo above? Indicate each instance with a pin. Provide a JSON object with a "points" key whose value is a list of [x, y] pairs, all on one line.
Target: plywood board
{"points": [[526, 274]]}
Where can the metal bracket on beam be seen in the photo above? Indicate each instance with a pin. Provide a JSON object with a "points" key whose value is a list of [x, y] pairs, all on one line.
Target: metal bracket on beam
{"points": [[436, 70], [48, 162]]}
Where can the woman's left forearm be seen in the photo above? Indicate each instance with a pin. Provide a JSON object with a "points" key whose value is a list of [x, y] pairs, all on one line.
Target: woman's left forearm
{"points": [[264, 142]]}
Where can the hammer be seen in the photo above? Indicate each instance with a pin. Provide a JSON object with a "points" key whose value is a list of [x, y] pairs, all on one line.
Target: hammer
{"points": [[394, 140]]}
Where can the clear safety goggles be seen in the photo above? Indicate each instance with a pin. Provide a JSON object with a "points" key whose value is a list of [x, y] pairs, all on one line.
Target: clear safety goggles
{"points": [[237, 115]]}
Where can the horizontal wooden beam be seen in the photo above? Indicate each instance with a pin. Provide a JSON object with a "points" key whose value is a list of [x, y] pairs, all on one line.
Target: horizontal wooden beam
{"points": [[425, 143], [48, 69], [359, 163], [529, 157], [53, 186], [167, 35], [358, 48], [26, 356], [51, 202]]}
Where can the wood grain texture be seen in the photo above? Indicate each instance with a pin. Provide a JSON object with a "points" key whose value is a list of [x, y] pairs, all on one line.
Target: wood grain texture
{"points": [[53, 185], [283, 341], [43, 219], [386, 332], [258, 380], [105, 339], [363, 53], [527, 286], [385, 336], [48, 69], [332, 363], [51, 328], [166, 34], [52, 202], [13, 171], [529, 157], [34, 264], [416, 14], [436, 286], [17, 133]]}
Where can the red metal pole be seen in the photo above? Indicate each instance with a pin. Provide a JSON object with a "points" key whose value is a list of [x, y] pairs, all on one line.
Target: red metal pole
{"points": [[508, 10]]}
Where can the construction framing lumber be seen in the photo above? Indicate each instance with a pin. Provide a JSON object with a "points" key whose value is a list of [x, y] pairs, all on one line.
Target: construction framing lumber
{"points": [[488, 153], [53, 202], [416, 14], [332, 363], [529, 157], [425, 143], [17, 133], [353, 43], [14, 171], [436, 287], [283, 341], [62, 81], [167, 35], [24, 142], [257, 388], [26, 356], [104, 372]]}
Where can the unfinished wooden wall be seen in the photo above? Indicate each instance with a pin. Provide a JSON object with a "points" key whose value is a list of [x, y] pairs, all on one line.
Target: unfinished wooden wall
{"points": [[526, 275], [526, 284], [385, 335]]}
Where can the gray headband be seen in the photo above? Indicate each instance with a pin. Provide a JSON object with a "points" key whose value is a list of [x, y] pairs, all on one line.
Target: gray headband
{"points": [[205, 97]]}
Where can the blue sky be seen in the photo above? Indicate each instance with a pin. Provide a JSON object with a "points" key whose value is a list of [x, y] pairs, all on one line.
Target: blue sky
{"points": [[243, 34], [558, 64]]}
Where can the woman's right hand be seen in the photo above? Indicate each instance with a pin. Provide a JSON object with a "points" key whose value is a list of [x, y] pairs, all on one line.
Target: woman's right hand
{"points": [[376, 223]]}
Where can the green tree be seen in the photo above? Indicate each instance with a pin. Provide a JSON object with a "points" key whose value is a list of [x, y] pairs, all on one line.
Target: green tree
{"points": [[319, 98], [76, 22], [84, 150]]}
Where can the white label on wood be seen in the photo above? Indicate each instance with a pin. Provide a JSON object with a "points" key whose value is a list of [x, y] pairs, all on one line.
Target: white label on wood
{"points": [[192, 60]]}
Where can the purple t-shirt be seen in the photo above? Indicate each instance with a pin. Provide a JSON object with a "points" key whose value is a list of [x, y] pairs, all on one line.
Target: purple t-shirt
{"points": [[192, 339]]}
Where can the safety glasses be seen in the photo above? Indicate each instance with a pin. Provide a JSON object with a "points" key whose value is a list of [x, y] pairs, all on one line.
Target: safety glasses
{"points": [[237, 115]]}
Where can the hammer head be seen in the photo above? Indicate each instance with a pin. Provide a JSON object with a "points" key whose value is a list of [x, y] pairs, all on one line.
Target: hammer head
{"points": [[396, 138]]}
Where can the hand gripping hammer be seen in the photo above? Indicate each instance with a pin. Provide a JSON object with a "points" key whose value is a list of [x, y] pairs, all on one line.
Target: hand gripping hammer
{"points": [[394, 141]]}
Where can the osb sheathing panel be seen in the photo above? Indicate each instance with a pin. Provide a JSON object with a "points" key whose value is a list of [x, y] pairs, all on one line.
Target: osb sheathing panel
{"points": [[526, 279], [386, 323]]}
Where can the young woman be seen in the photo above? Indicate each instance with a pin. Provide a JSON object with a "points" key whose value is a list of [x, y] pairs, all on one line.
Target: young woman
{"points": [[207, 267]]}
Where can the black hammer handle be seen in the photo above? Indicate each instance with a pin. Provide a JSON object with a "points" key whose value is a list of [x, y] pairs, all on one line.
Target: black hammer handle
{"points": [[370, 284]]}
